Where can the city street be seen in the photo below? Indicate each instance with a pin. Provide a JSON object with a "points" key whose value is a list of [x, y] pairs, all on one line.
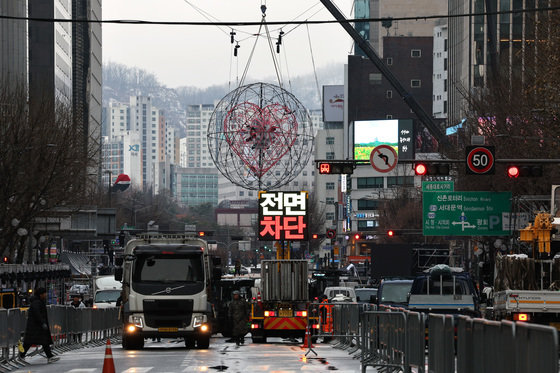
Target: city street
{"points": [[172, 356]]}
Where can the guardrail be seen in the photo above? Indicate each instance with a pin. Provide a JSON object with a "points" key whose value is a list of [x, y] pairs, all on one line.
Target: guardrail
{"points": [[392, 339], [70, 328]]}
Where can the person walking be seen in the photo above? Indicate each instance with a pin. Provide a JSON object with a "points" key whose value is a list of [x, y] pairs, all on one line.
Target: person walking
{"points": [[37, 330], [238, 313]]}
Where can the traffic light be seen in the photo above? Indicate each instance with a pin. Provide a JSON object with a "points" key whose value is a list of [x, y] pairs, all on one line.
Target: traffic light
{"points": [[314, 236], [390, 233], [514, 171], [201, 234], [5, 260], [358, 236], [336, 167], [431, 169]]}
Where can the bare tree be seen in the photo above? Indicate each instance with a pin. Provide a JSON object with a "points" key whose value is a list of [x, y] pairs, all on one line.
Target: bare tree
{"points": [[43, 162]]}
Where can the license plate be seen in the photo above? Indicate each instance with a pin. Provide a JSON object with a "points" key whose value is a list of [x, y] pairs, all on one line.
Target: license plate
{"points": [[285, 313], [167, 329]]}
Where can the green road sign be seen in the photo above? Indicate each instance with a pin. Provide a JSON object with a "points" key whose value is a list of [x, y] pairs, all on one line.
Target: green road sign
{"points": [[466, 213], [438, 186]]}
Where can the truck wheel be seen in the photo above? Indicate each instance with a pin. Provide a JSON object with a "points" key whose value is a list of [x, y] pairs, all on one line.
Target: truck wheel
{"points": [[189, 342], [203, 342], [132, 342]]}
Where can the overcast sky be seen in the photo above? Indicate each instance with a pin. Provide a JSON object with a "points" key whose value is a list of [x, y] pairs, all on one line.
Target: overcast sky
{"points": [[202, 55]]}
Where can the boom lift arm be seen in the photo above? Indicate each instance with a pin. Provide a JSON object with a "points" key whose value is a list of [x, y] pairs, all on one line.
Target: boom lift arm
{"points": [[395, 83]]}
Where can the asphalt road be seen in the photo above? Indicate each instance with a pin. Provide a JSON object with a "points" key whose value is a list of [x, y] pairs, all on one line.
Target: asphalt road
{"points": [[279, 356]]}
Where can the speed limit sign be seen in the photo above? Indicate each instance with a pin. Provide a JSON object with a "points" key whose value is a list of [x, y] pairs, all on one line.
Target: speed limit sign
{"points": [[480, 160]]}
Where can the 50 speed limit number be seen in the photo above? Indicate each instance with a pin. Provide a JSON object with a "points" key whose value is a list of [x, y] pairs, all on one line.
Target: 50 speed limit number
{"points": [[480, 160]]}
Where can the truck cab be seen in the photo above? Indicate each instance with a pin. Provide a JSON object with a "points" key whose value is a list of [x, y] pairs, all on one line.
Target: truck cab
{"points": [[165, 290], [393, 292]]}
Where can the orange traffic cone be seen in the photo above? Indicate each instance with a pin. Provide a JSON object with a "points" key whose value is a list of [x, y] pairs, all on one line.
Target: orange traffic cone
{"points": [[307, 342], [108, 364]]}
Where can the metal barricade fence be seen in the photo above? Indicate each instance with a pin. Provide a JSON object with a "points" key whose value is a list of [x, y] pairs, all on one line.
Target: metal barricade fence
{"points": [[536, 348], [66, 323], [416, 340], [441, 340]]}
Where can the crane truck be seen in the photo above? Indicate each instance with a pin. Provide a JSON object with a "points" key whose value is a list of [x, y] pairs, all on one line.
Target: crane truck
{"points": [[165, 289], [528, 288]]}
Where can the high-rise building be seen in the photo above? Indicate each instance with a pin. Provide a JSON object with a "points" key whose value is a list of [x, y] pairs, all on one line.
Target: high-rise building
{"points": [[13, 43], [50, 52], [196, 148], [439, 75], [482, 46], [86, 74], [145, 120], [402, 8], [117, 120]]}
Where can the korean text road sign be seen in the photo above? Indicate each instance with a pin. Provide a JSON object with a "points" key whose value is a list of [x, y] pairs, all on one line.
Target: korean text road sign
{"points": [[282, 216], [466, 213]]}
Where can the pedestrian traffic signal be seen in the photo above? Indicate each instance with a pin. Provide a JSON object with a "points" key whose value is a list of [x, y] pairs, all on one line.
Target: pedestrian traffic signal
{"points": [[336, 167], [514, 171], [431, 169]]}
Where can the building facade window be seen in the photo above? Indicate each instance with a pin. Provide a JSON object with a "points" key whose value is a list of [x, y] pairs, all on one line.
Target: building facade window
{"points": [[370, 182], [330, 141], [393, 181], [364, 225], [415, 83], [329, 186], [415, 53], [389, 94], [389, 61], [368, 204], [330, 155]]}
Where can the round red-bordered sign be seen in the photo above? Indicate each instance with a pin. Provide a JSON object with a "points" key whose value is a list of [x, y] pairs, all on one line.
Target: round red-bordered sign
{"points": [[383, 158], [480, 160]]}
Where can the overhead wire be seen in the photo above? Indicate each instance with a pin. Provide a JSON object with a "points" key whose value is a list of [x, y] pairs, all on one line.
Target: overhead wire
{"points": [[297, 22]]}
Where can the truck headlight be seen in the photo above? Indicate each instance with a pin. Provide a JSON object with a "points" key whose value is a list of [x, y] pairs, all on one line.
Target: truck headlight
{"points": [[137, 321], [197, 321]]}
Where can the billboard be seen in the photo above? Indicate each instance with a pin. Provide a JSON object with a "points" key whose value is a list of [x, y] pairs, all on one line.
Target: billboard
{"points": [[282, 216], [371, 133], [397, 133], [333, 103]]}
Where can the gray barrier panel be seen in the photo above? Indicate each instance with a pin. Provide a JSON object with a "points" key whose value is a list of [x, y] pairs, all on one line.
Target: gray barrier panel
{"points": [[465, 354], [416, 340], [536, 348], [4, 328], [441, 355], [14, 325]]}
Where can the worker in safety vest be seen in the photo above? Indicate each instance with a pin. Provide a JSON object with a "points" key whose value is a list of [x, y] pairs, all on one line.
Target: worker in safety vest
{"points": [[325, 312]]}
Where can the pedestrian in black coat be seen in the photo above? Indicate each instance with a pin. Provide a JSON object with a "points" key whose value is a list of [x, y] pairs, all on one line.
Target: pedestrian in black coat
{"points": [[37, 331], [238, 313]]}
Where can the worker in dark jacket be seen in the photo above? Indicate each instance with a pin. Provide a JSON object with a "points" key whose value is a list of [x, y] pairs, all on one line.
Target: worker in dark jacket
{"points": [[239, 315], [37, 331]]}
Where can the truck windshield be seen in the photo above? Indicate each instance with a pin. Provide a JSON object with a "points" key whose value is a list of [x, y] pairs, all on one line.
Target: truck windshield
{"points": [[168, 268], [105, 296], [395, 292]]}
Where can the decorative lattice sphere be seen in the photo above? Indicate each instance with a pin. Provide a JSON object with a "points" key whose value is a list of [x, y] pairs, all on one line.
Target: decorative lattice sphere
{"points": [[260, 136]]}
